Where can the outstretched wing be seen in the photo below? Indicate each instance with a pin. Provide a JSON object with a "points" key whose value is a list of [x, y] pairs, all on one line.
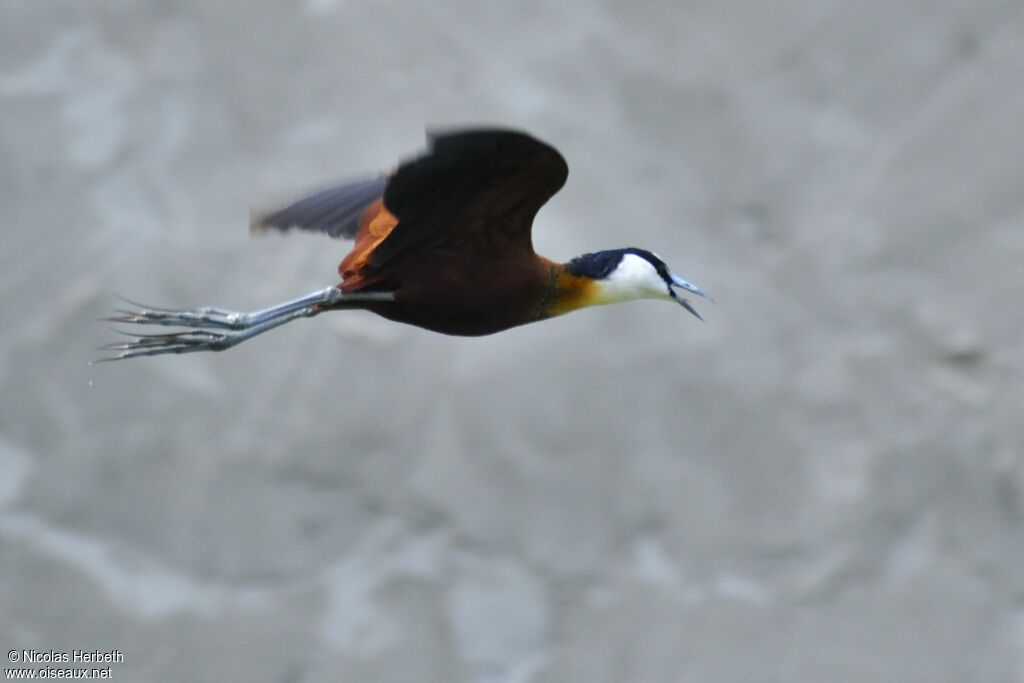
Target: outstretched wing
{"points": [[334, 211], [478, 189]]}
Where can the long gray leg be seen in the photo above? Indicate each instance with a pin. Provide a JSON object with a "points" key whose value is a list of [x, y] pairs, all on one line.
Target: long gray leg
{"points": [[214, 329]]}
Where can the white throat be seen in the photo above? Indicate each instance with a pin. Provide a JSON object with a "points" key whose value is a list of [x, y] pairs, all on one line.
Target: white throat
{"points": [[633, 278]]}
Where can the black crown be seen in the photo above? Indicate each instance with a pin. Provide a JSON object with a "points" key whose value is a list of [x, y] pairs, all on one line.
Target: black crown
{"points": [[600, 264]]}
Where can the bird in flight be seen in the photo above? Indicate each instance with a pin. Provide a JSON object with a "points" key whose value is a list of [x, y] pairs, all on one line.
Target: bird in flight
{"points": [[442, 243]]}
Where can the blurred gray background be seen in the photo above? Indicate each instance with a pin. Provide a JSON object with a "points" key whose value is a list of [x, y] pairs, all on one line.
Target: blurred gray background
{"points": [[824, 482]]}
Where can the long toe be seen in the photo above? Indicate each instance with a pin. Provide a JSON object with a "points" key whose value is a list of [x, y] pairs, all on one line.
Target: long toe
{"points": [[203, 317], [171, 342]]}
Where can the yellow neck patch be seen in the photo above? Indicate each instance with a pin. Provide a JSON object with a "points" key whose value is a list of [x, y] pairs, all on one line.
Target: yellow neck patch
{"points": [[569, 292]]}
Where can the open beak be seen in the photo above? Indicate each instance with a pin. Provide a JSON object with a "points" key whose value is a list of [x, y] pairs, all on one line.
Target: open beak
{"points": [[689, 287]]}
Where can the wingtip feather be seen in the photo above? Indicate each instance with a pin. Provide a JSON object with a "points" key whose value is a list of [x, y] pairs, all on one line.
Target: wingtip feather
{"points": [[259, 224]]}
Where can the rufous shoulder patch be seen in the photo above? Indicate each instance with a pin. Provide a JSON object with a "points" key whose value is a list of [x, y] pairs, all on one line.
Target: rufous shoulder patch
{"points": [[375, 225]]}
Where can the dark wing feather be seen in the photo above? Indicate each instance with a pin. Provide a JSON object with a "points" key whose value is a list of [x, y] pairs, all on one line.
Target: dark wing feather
{"points": [[334, 211], [479, 189]]}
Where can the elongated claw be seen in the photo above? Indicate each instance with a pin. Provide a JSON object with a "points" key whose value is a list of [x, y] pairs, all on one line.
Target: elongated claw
{"points": [[171, 342], [207, 329], [201, 317], [204, 309]]}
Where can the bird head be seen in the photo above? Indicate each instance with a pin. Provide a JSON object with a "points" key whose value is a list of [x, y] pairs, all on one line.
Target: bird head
{"points": [[627, 274]]}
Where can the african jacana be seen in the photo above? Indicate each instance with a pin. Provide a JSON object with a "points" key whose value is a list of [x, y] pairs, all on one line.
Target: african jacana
{"points": [[442, 243]]}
